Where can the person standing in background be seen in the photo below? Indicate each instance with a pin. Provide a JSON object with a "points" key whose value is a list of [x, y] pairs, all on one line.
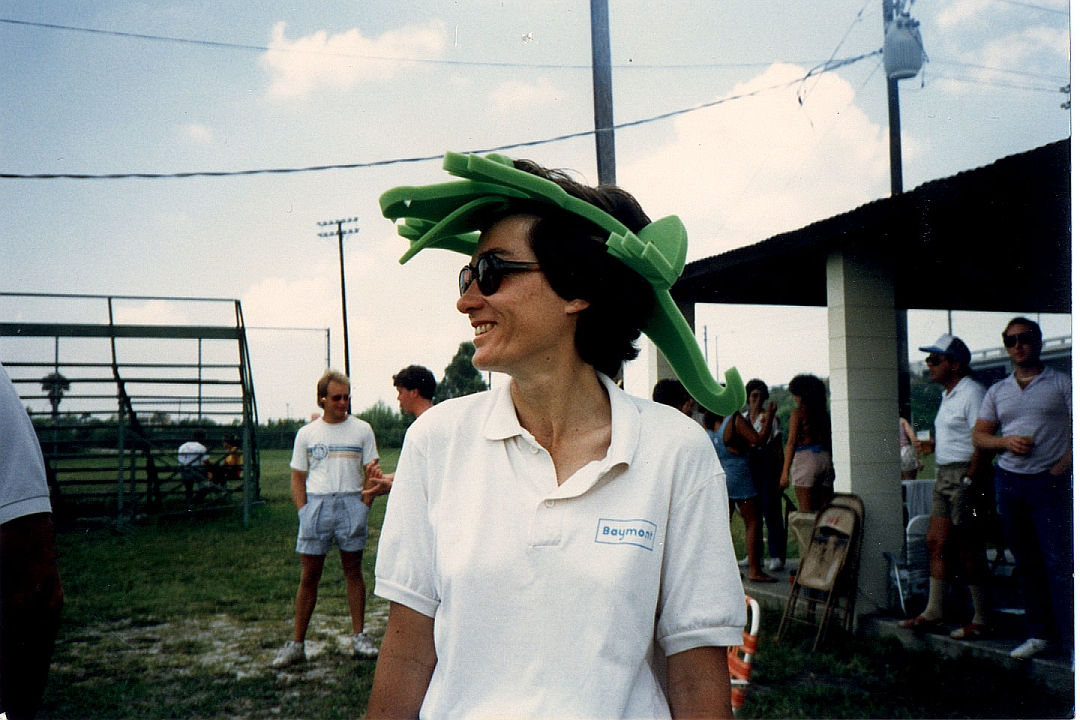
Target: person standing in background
{"points": [[808, 453], [960, 480], [1032, 408], [766, 461], [332, 457], [31, 595]]}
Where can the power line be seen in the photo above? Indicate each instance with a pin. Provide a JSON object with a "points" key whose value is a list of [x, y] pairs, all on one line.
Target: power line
{"points": [[382, 58], [993, 83], [1035, 7], [426, 158], [1042, 76]]}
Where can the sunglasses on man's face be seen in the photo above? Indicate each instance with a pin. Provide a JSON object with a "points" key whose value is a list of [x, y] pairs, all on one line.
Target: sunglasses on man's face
{"points": [[488, 271], [1029, 337]]}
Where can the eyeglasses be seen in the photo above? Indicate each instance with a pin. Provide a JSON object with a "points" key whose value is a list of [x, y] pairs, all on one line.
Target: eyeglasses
{"points": [[489, 271], [339, 398], [1029, 337], [934, 360]]}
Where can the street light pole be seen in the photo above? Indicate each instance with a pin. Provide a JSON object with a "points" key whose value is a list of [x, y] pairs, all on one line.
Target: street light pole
{"points": [[341, 233]]}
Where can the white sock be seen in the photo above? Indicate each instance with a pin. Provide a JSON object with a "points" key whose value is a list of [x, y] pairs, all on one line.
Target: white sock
{"points": [[935, 601]]}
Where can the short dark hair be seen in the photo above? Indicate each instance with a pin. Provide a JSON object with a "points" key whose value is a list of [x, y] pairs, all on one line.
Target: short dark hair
{"points": [[670, 392], [1030, 324], [573, 256], [756, 384], [416, 377]]}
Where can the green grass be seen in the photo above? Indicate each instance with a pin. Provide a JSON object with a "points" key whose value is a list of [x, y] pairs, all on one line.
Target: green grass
{"points": [[180, 619], [146, 608]]}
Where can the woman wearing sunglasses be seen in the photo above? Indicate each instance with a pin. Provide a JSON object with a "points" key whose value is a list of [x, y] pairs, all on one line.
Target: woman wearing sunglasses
{"points": [[556, 547]]}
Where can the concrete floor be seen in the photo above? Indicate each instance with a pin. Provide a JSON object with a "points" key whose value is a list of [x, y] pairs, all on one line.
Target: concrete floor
{"points": [[1057, 673]]}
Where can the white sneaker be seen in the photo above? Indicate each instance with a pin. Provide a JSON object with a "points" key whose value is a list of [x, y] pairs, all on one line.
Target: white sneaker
{"points": [[1029, 649], [775, 564], [745, 562], [364, 646], [292, 653]]}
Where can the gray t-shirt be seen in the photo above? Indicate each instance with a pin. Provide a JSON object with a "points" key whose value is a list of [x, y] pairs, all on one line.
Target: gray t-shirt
{"points": [[1042, 410]]}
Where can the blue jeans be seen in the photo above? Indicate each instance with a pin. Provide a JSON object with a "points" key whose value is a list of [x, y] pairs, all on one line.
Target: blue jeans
{"points": [[1036, 512]]}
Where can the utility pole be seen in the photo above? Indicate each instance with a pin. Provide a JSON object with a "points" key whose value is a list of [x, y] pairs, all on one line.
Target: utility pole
{"points": [[907, 68], [603, 116], [341, 233], [892, 88]]}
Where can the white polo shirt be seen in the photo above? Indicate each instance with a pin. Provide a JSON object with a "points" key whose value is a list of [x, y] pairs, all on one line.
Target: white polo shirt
{"points": [[334, 454], [547, 599], [955, 420]]}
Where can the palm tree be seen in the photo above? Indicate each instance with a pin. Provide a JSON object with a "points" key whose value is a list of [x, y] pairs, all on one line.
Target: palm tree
{"points": [[55, 385]]}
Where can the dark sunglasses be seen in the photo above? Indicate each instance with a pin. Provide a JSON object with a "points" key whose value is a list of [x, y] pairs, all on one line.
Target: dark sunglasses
{"points": [[1029, 337], [339, 398], [934, 360], [489, 271]]}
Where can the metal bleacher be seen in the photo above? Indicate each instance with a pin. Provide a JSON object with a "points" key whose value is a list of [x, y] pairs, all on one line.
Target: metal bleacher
{"points": [[118, 385]]}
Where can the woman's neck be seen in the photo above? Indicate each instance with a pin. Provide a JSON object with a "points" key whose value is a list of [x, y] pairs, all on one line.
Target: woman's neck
{"points": [[568, 411]]}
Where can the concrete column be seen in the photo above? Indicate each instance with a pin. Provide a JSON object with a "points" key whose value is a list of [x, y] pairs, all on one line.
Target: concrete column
{"points": [[862, 385]]}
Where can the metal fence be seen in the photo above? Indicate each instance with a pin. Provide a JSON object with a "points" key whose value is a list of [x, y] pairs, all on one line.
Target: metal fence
{"points": [[116, 387]]}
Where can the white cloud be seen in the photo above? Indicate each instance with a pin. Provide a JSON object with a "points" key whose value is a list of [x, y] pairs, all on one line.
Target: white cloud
{"points": [[958, 14], [346, 59], [198, 133], [763, 163], [1015, 51], [297, 302], [514, 96]]}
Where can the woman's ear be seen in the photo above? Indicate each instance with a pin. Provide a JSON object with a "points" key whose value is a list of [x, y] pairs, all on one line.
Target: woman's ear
{"points": [[573, 307]]}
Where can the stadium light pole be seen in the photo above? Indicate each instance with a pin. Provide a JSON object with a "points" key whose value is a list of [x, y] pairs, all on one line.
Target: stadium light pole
{"points": [[340, 232]]}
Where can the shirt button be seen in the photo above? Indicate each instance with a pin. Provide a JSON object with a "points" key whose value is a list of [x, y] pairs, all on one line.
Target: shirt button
{"points": [[549, 503]]}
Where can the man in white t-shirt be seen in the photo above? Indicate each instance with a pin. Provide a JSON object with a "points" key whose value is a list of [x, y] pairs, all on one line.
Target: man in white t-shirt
{"points": [[961, 478], [332, 457], [193, 457]]}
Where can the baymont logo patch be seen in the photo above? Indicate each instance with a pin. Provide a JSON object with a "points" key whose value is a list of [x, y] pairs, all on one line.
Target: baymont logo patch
{"points": [[641, 533]]}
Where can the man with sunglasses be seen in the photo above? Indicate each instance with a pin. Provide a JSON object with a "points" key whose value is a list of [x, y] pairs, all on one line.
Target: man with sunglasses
{"points": [[960, 478], [332, 457], [1033, 410]]}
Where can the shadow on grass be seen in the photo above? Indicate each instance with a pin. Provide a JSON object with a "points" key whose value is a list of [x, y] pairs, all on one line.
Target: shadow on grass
{"points": [[857, 677]]}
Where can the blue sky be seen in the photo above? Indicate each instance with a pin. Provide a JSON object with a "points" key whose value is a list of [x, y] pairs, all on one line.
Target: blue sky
{"points": [[244, 86]]}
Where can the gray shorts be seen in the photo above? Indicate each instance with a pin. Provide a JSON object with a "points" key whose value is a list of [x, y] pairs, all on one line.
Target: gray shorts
{"points": [[340, 517]]}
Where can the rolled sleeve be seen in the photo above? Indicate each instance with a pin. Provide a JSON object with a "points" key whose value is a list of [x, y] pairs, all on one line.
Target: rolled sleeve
{"points": [[405, 567]]}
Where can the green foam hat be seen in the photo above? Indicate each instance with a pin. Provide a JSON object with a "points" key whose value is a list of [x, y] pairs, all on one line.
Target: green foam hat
{"points": [[448, 216]]}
